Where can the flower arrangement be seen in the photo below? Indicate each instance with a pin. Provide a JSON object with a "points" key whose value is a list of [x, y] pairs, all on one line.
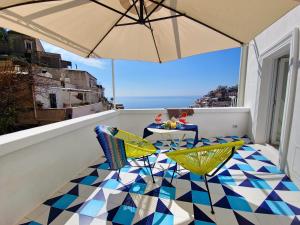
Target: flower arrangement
{"points": [[173, 123], [158, 118], [182, 118]]}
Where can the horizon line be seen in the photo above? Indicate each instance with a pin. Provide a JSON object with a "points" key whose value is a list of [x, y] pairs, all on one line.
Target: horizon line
{"points": [[159, 96]]}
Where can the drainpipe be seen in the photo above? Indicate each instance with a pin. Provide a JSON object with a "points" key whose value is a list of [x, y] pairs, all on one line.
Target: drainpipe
{"points": [[113, 83], [243, 73], [70, 105], [34, 104]]}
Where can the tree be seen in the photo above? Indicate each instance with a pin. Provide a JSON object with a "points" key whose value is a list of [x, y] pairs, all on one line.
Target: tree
{"points": [[3, 34], [18, 87], [12, 82]]}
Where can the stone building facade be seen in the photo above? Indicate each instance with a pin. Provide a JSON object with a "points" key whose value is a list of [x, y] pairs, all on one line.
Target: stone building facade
{"points": [[61, 90]]}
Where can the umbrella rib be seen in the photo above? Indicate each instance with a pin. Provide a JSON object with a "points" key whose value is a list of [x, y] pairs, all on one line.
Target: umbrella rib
{"points": [[157, 5], [156, 48], [137, 11], [154, 41], [198, 21], [164, 18], [111, 28], [114, 10], [133, 23], [128, 24], [148, 21]]}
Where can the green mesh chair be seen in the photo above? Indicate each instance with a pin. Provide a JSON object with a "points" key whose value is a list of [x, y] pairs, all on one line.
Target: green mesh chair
{"points": [[205, 161]]}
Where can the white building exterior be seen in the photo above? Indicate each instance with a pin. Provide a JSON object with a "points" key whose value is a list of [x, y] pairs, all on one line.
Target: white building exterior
{"points": [[69, 87], [280, 40]]}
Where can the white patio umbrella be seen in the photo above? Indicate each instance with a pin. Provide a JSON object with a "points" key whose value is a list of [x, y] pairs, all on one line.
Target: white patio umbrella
{"points": [[148, 30]]}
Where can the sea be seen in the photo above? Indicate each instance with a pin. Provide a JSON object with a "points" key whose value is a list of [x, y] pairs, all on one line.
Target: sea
{"points": [[149, 102]]}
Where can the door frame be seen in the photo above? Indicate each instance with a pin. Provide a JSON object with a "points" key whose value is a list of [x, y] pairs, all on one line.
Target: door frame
{"points": [[52, 103], [289, 44]]}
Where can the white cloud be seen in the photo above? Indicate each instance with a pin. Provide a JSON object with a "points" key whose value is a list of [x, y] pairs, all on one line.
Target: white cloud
{"points": [[66, 55]]}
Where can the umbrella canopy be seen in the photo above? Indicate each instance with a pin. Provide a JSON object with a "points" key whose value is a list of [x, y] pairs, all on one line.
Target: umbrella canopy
{"points": [[148, 30]]}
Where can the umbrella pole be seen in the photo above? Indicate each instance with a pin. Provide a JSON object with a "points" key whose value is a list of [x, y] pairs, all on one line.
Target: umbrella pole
{"points": [[113, 83], [243, 72]]}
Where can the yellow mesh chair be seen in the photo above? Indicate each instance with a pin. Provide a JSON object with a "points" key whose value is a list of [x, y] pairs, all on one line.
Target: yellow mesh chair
{"points": [[137, 147], [205, 159]]}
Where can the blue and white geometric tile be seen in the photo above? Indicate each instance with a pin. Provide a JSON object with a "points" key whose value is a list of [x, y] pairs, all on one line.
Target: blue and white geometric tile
{"points": [[249, 189]]}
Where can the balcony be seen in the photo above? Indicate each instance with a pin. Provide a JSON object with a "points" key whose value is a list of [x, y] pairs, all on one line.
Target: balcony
{"points": [[56, 174]]}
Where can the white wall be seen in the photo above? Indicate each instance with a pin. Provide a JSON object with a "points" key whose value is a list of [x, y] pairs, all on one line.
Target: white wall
{"points": [[35, 163], [87, 109], [68, 97], [211, 121], [260, 44], [43, 97]]}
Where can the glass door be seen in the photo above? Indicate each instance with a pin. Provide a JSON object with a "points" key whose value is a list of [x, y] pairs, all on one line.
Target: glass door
{"points": [[279, 100]]}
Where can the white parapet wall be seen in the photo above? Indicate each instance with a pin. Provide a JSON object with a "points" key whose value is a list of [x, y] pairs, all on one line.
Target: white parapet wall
{"points": [[87, 109], [35, 163], [211, 122]]}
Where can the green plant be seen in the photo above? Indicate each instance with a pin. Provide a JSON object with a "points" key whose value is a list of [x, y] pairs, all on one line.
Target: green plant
{"points": [[14, 99], [8, 117]]}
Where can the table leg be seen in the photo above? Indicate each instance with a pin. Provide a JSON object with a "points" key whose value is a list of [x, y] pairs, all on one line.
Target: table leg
{"points": [[181, 140]]}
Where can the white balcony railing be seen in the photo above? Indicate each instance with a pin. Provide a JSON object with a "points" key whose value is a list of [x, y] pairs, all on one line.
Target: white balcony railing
{"points": [[35, 163]]}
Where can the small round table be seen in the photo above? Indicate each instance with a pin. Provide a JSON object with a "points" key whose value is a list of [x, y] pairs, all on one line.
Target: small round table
{"points": [[170, 135]]}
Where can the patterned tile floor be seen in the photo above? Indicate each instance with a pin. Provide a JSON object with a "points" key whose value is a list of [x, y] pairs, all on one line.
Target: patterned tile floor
{"points": [[248, 190]]}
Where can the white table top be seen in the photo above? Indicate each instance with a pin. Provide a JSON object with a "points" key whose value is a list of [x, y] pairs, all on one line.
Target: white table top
{"points": [[163, 131]]}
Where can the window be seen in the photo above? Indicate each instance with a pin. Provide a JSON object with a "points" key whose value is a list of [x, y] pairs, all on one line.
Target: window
{"points": [[92, 83], [53, 103], [28, 45], [17, 68]]}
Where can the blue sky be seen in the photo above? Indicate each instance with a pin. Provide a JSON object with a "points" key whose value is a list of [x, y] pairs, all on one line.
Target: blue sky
{"points": [[192, 76]]}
